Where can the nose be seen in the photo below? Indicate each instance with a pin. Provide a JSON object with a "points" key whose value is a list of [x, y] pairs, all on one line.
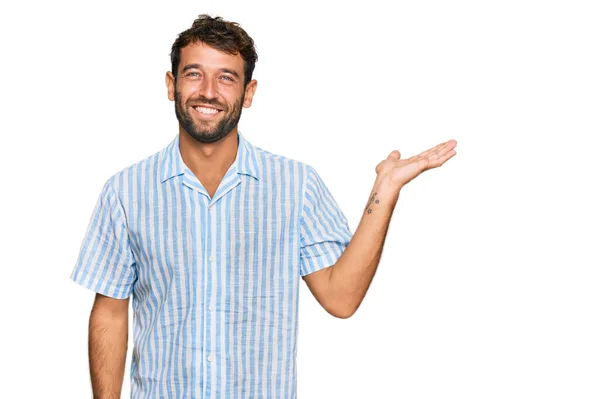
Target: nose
{"points": [[208, 88]]}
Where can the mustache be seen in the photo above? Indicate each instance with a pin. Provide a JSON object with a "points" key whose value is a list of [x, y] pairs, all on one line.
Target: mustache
{"points": [[209, 101]]}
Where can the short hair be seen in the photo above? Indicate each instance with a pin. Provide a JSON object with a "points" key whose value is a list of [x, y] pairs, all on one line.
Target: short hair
{"points": [[221, 35]]}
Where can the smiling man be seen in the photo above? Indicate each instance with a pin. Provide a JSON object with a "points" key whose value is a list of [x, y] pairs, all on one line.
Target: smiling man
{"points": [[210, 237]]}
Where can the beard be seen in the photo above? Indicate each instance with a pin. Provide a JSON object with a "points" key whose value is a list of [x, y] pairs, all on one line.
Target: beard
{"points": [[202, 131]]}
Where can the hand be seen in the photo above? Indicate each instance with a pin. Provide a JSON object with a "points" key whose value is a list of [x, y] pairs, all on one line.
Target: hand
{"points": [[394, 173]]}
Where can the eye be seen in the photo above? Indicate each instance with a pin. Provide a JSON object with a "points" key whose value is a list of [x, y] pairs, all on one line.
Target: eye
{"points": [[227, 78], [192, 75]]}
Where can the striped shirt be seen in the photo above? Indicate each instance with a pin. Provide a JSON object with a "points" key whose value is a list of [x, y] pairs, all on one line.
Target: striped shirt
{"points": [[214, 281]]}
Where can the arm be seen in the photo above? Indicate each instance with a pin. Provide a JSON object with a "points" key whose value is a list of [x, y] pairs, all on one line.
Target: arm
{"points": [[341, 288], [108, 346]]}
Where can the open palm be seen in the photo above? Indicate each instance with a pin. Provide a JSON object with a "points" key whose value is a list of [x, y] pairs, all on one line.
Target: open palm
{"points": [[398, 172]]}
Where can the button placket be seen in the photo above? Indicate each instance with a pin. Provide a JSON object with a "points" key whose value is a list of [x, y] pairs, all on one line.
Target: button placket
{"points": [[210, 256], [208, 319]]}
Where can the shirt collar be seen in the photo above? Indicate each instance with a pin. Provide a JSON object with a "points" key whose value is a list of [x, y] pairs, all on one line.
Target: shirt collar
{"points": [[246, 161]]}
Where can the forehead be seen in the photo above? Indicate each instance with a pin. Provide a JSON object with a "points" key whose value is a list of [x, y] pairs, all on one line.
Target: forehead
{"points": [[210, 58]]}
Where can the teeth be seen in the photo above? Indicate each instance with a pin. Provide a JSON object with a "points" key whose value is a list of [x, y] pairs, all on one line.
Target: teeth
{"points": [[204, 110]]}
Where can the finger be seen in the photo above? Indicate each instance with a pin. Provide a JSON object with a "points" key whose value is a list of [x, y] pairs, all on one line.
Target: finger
{"points": [[450, 145], [395, 155], [442, 150], [422, 163], [442, 159], [432, 150]]}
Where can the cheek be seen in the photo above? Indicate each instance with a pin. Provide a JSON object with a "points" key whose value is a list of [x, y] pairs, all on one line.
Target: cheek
{"points": [[230, 94], [228, 97], [185, 93]]}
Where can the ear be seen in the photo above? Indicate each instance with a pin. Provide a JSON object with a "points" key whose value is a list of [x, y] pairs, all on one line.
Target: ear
{"points": [[170, 82], [250, 90]]}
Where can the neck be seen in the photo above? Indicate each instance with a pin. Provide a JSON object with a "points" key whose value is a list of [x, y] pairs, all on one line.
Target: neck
{"points": [[210, 160]]}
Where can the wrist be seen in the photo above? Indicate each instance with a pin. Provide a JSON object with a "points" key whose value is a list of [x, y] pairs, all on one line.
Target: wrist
{"points": [[385, 189], [384, 194]]}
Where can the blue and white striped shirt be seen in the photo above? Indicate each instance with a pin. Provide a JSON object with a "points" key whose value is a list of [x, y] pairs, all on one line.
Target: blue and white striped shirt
{"points": [[214, 281]]}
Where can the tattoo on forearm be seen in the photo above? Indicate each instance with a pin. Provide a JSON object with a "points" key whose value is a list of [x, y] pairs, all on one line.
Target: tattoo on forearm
{"points": [[372, 200]]}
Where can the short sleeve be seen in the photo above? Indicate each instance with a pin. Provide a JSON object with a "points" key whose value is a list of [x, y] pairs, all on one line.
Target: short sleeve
{"points": [[106, 263], [324, 231]]}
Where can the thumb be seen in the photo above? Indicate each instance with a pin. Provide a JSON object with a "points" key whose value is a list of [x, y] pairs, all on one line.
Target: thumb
{"points": [[395, 155]]}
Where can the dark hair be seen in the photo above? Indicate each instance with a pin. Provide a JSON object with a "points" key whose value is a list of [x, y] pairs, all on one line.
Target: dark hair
{"points": [[221, 35]]}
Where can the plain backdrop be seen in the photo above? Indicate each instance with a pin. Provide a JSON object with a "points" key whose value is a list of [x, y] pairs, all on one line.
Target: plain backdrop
{"points": [[488, 285]]}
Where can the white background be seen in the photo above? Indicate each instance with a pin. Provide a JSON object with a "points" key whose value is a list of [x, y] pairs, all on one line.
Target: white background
{"points": [[488, 285]]}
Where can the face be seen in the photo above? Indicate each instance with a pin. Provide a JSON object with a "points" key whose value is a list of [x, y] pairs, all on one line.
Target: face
{"points": [[209, 92]]}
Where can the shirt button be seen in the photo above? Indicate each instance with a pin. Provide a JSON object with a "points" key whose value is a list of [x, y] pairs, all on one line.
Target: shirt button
{"points": [[211, 308], [212, 258], [210, 358]]}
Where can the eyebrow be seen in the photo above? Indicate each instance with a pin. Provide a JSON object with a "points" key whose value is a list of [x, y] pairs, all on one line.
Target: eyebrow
{"points": [[191, 66], [199, 66], [230, 71]]}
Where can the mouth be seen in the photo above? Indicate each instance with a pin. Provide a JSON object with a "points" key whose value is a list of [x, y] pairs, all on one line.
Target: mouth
{"points": [[206, 112]]}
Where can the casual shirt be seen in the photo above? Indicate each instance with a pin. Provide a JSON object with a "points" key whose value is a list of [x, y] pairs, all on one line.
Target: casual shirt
{"points": [[214, 281]]}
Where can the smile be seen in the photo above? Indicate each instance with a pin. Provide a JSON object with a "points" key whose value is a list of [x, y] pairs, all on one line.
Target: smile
{"points": [[206, 111]]}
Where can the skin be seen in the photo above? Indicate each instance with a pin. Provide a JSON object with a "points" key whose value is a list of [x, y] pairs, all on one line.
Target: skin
{"points": [[209, 149], [107, 345], [341, 288], [208, 145], [213, 79]]}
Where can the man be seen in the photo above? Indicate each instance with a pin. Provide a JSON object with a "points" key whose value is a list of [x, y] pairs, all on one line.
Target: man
{"points": [[210, 237]]}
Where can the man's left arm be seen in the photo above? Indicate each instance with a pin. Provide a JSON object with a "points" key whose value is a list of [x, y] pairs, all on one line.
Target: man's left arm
{"points": [[342, 287]]}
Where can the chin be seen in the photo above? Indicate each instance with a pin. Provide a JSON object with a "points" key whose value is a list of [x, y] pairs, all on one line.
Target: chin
{"points": [[207, 137]]}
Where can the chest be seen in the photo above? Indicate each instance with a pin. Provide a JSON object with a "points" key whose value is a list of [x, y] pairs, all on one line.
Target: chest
{"points": [[245, 243], [211, 185]]}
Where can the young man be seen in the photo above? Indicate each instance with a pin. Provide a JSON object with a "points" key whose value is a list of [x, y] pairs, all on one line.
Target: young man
{"points": [[210, 237]]}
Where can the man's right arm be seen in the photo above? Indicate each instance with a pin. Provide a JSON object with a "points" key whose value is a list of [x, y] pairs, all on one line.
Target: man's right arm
{"points": [[108, 345]]}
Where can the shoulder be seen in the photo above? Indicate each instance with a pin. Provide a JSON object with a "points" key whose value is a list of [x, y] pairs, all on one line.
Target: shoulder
{"points": [[135, 176], [299, 170]]}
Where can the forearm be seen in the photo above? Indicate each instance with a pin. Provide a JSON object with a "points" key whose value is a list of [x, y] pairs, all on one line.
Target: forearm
{"points": [[107, 354], [352, 274]]}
